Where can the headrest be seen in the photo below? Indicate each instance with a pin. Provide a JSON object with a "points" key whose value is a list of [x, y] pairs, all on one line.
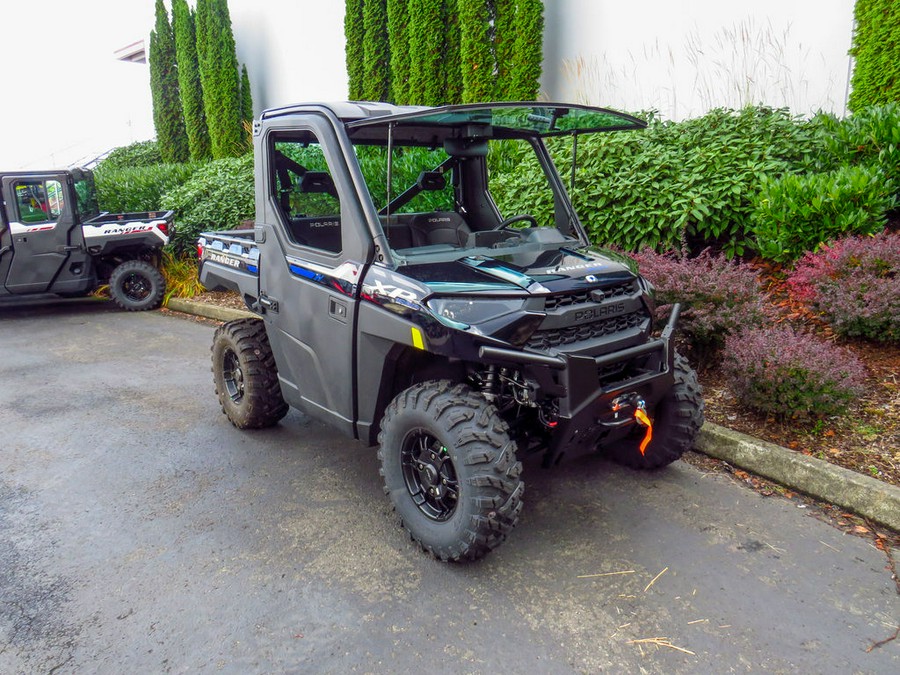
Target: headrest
{"points": [[317, 181], [431, 181]]}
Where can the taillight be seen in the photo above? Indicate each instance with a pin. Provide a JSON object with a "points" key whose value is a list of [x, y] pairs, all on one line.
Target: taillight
{"points": [[199, 251], [164, 228]]}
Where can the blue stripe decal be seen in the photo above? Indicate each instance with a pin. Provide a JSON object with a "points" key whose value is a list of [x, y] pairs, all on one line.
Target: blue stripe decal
{"points": [[305, 273]]}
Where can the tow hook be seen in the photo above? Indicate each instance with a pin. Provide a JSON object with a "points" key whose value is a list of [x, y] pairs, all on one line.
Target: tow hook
{"points": [[639, 415]]}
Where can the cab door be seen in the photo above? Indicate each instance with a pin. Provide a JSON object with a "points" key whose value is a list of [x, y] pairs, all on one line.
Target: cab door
{"points": [[47, 244], [312, 255]]}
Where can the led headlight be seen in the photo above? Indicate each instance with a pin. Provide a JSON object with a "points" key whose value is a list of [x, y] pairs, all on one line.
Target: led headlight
{"points": [[473, 311]]}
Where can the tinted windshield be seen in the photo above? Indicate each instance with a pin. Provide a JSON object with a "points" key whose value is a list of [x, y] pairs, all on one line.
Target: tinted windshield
{"points": [[484, 194]]}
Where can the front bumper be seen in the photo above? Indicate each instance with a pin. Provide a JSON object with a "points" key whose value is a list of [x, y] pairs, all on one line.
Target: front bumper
{"points": [[586, 394]]}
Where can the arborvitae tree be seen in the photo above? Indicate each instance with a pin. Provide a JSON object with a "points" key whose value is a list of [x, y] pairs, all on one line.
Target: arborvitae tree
{"points": [[504, 40], [426, 51], [167, 116], [876, 50], [523, 78], [189, 80], [477, 60], [246, 107], [354, 31], [220, 79], [398, 38], [453, 71], [376, 56]]}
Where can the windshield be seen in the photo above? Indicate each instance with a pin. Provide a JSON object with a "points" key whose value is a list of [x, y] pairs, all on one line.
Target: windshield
{"points": [[473, 179]]}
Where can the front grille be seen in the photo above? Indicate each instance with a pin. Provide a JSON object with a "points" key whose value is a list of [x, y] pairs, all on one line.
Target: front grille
{"points": [[584, 297], [546, 339]]}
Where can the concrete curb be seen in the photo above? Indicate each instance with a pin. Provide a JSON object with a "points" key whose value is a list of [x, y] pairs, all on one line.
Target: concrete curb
{"points": [[861, 494], [208, 311], [866, 496]]}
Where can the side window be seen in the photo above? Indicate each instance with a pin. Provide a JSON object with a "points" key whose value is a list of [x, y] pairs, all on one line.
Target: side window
{"points": [[39, 201], [305, 192]]}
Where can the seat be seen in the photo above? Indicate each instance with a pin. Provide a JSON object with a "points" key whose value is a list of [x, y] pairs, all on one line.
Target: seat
{"points": [[439, 227]]}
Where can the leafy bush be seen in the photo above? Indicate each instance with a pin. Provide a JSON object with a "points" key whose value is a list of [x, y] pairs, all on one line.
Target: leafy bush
{"points": [[693, 181], [796, 214], [139, 188], [788, 374], [218, 196], [718, 296], [855, 284], [142, 153], [870, 135]]}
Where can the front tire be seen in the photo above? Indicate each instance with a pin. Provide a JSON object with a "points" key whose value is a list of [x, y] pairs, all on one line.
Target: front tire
{"points": [[136, 285], [450, 469], [246, 376], [676, 422]]}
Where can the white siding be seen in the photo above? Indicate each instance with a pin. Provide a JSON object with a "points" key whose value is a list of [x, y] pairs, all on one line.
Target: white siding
{"points": [[683, 57]]}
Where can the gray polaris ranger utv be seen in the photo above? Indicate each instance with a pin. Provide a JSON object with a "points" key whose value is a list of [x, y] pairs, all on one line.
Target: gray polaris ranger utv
{"points": [[414, 294]]}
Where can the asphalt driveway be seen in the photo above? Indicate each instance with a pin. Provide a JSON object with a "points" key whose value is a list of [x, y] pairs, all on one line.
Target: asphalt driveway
{"points": [[139, 530]]}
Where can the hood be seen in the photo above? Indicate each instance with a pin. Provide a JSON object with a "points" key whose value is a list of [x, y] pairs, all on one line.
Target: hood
{"points": [[540, 272]]}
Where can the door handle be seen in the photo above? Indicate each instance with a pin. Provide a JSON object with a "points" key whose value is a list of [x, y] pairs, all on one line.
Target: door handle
{"points": [[268, 304], [337, 310]]}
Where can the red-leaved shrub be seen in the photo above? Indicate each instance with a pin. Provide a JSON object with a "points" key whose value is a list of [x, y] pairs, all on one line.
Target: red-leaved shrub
{"points": [[718, 296], [855, 285], [788, 374]]}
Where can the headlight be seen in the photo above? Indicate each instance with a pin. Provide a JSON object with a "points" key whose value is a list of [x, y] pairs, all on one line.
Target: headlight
{"points": [[468, 311]]}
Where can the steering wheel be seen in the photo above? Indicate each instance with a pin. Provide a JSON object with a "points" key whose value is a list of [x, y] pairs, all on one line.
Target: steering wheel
{"points": [[515, 219]]}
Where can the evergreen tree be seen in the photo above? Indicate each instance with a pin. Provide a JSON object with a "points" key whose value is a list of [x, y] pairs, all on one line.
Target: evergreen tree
{"points": [[478, 77], [452, 67], [167, 115], [246, 107], [504, 40], [376, 56], [398, 39], [426, 46], [354, 32], [220, 78], [189, 80], [876, 52], [524, 76]]}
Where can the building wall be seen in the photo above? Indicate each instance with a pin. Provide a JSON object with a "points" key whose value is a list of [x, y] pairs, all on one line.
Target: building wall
{"points": [[681, 57]]}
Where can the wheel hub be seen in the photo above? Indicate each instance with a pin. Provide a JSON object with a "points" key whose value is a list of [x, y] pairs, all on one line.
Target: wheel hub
{"points": [[233, 376], [429, 474], [136, 287]]}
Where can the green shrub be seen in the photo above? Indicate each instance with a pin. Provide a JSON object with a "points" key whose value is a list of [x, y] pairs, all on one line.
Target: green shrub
{"points": [[218, 196], [796, 214], [691, 182], [140, 154], [787, 374], [854, 284], [120, 190], [870, 136]]}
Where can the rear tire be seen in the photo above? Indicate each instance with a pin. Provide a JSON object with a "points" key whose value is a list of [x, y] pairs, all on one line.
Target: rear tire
{"points": [[245, 375], [136, 285], [450, 469], [676, 422]]}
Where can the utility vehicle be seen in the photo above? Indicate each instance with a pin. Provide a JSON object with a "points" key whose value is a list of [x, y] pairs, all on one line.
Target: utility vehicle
{"points": [[423, 283], [54, 240]]}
